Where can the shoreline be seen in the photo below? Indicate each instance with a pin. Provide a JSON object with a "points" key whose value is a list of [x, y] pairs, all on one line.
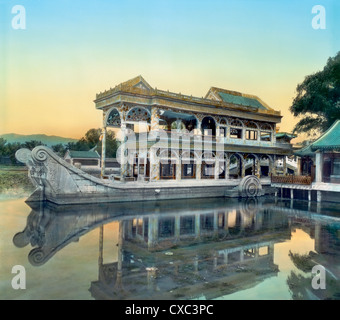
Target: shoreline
{"points": [[14, 182]]}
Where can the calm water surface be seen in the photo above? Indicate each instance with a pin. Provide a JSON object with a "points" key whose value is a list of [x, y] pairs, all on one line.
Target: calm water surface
{"points": [[197, 249]]}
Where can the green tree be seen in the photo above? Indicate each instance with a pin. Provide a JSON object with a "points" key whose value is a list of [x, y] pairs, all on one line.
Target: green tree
{"points": [[11, 149], [92, 137], [111, 145], [318, 99], [2, 146], [92, 140], [80, 145], [32, 144], [60, 149]]}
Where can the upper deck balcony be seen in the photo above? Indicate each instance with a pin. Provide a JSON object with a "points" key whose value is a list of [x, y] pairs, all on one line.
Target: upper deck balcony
{"points": [[244, 142]]}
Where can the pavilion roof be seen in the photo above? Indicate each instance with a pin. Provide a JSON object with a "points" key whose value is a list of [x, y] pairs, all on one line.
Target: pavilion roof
{"points": [[237, 98], [84, 154], [280, 135], [216, 100], [304, 152], [330, 140]]}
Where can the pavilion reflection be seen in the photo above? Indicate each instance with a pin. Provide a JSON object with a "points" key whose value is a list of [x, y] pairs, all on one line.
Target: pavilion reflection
{"points": [[186, 255], [172, 249]]}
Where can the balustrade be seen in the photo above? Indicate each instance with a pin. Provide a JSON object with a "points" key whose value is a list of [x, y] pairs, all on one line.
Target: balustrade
{"points": [[304, 180]]}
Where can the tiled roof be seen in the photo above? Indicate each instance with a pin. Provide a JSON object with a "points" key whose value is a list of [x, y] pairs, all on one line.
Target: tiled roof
{"points": [[285, 135], [330, 140], [305, 151], [216, 98], [84, 154], [241, 100]]}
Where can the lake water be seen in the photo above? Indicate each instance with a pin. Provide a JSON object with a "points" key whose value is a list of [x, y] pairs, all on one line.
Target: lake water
{"points": [[196, 249]]}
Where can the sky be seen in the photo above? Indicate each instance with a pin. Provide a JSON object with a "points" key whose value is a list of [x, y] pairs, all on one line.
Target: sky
{"points": [[51, 71]]}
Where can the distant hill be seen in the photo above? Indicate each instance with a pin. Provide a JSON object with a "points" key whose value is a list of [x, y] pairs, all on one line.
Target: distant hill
{"points": [[48, 140]]}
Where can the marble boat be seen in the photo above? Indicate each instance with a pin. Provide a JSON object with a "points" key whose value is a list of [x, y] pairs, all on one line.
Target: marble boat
{"points": [[223, 145]]}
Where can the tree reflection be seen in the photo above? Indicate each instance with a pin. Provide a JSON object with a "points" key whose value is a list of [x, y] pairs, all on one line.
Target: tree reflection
{"points": [[300, 285]]}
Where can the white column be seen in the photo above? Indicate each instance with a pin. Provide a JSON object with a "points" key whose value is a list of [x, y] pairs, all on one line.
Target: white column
{"points": [[227, 167], [154, 119], [258, 167], [243, 169], [298, 166], [227, 133], [217, 167], [123, 158], [274, 136], [199, 127], [284, 162], [198, 169], [178, 170], [103, 152], [154, 165], [273, 171], [318, 166], [218, 136]]}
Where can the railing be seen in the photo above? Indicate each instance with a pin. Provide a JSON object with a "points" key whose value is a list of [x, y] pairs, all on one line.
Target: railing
{"points": [[304, 180], [216, 138]]}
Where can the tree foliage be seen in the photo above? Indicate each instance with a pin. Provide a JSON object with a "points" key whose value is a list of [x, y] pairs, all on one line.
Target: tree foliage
{"points": [[91, 140], [318, 99], [9, 149]]}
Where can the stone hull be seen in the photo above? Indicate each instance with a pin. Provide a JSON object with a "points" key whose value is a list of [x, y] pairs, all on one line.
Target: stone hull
{"points": [[59, 182]]}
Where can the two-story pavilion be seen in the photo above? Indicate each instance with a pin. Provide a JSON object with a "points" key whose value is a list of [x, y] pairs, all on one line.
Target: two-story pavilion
{"points": [[185, 137]]}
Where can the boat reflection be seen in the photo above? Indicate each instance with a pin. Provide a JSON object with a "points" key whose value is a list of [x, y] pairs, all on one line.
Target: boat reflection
{"points": [[174, 249]]}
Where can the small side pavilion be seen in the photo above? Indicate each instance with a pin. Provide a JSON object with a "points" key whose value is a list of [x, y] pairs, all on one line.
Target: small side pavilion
{"points": [[318, 170]]}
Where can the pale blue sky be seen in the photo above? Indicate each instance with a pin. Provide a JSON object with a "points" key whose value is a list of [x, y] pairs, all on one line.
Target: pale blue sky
{"points": [[71, 50]]}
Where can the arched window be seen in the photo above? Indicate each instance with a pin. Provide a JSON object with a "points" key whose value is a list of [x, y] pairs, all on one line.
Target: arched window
{"points": [[236, 126], [223, 128], [251, 125], [266, 132], [113, 119], [138, 114], [208, 126], [251, 131], [224, 122], [236, 123], [266, 126]]}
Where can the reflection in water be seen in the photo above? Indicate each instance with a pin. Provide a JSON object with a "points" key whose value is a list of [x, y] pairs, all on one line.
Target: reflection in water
{"points": [[186, 249]]}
